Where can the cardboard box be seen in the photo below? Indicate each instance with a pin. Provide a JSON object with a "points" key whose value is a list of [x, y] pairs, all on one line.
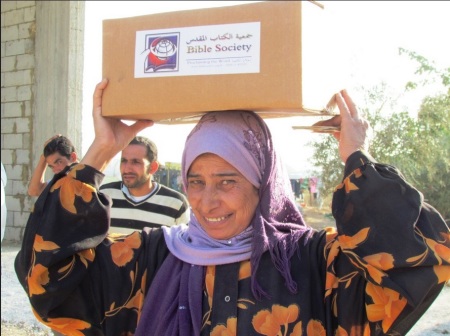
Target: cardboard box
{"points": [[173, 67]]}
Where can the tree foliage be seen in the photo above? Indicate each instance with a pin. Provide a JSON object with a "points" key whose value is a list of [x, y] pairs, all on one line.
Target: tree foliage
{"points": [[429, 166], [418, 147]]}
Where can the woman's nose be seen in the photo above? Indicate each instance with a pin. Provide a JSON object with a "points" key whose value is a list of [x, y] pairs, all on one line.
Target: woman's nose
{"points": [[210, 197]]}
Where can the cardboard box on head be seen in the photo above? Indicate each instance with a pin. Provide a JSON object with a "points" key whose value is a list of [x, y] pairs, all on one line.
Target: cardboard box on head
{"points": [[173, 67]]}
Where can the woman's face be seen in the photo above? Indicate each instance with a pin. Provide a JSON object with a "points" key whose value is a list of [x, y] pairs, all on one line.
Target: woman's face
{"points": [[222, 199]]}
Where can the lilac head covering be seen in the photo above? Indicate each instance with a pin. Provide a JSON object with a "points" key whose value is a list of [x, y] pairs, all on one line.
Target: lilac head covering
{"points": [[243, 139], [235, 136]]}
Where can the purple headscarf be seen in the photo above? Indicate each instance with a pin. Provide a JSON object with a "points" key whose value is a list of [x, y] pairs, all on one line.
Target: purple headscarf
{"points": [[242, 139]]}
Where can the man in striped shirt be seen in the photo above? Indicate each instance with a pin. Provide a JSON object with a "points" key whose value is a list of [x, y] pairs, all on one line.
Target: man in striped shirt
{"points": [[137, 200]]}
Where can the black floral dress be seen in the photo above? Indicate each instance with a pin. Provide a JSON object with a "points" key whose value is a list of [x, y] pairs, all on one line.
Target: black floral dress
{"points": [[376, 273]]}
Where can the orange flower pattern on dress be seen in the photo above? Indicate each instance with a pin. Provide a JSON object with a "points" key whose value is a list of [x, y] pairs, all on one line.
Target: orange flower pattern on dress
{"points": [[66, 326], [265, 324], [440, 251], [387, 305], [315, 328], [443, 252], [229, 330], [298, 330], [139, 304], [209, 281], [87, 255], [122, 251], [135, 300], [354, 331], [70, 188], [383, 261], [41, 245], [209, 288], [350, 242], [445, 238], [348, 184], [38, 278], [341, 332], [273, 323], [442, 273], [372, 265], [331, 282], [39, 271], [244, 272], [331, 233]]}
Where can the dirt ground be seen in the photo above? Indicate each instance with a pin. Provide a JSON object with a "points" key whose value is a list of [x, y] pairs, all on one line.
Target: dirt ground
{"points": [[10, 329], [318, 218]]}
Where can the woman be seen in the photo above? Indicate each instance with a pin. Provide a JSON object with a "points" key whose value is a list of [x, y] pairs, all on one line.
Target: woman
{"points": [[246, 264]]}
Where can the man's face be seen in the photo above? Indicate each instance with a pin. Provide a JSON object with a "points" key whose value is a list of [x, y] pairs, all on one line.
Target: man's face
{"points": [[56, 162], [135, 167]]}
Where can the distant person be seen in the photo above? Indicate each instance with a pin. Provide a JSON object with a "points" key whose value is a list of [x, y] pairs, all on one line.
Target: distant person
{"points": [[4, 210], [58, 153], [301, 189], [139, 201], [313, 191]]}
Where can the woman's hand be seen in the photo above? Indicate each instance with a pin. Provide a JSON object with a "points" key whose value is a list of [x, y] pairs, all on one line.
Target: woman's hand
{"points": [[353, 133], [111, 134]]}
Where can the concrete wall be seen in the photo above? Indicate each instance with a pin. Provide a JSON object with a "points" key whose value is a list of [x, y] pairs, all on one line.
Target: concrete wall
{"points": [[41, 91]]}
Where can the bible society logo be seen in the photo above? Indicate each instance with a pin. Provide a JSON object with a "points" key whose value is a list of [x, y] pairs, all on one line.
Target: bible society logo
{"points": [[200, 50], [162, 53]]}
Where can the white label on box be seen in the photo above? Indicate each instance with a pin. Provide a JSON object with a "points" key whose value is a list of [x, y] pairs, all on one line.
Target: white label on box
{"points": [[201, 50]]}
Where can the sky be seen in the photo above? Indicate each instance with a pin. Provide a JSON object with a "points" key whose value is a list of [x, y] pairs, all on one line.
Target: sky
{"points": [[347, 44]]}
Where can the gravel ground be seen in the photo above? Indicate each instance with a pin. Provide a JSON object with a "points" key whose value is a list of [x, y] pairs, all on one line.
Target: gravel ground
{"points": [[22, 329], [18, 320]]}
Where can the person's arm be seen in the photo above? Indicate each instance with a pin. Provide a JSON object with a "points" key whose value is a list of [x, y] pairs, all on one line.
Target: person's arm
{"points": [[111, 135], [37, 183], [392, 252], [77, 281]]}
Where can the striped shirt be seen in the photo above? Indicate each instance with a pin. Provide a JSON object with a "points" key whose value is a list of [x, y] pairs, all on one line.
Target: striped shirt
{"points": [[163, 206]]}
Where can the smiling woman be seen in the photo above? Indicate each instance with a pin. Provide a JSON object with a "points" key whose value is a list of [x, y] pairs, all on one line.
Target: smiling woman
{"points": [[245, 242]]}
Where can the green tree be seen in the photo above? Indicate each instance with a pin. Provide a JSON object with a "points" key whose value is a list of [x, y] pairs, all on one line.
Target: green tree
{"points": [[326, 158], [429, 166]]}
